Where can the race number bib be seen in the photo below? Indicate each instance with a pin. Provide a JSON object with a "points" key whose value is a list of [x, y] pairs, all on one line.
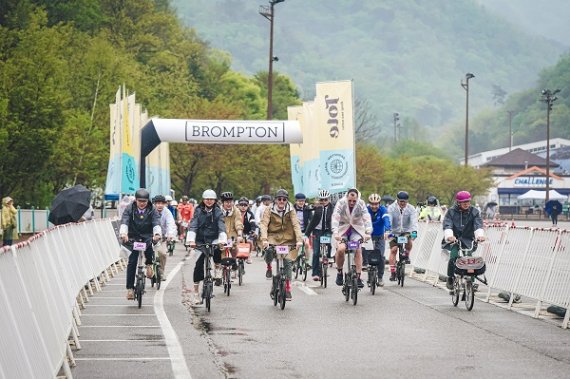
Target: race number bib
{"points": [[139, 246], [325, 239], [353, 245], [402, 239], [282, 250]]}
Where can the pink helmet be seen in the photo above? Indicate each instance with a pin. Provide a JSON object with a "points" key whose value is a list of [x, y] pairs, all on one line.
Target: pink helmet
{"points": [[463, 196]]}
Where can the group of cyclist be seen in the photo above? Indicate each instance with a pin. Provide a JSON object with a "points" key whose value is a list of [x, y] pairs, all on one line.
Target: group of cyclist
{"points": [[278, 221]]}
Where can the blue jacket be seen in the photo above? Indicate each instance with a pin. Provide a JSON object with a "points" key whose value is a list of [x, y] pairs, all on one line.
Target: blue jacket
{"points": [[380, 221]]}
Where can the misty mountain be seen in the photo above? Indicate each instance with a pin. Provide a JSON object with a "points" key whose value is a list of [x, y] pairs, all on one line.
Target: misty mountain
{"points": [[406, 56]]}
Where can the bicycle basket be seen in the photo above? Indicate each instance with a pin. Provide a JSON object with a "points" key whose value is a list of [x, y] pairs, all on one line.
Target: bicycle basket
{"points": [[374, 257], [470, 266], [243, 250]]}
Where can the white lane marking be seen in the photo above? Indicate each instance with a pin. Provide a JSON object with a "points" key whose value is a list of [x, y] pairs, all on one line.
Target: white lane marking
{"points": [[149, 340], [111, 305], [178, 362], [118, 314], [303, 287], [119, 326], [125, 359]]}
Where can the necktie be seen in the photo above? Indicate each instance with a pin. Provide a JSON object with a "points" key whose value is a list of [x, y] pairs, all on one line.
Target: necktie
{"points": [[323, 227]]}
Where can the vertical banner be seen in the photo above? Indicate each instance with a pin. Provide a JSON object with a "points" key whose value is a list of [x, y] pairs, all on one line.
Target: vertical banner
{"points": [[113, 182], [296, 113], [310, 150], [334, 108], [129, 181]]}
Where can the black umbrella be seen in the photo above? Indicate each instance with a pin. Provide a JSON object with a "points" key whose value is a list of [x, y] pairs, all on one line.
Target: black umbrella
{"points": [[387, 198], [491, 204], [69, 205]]}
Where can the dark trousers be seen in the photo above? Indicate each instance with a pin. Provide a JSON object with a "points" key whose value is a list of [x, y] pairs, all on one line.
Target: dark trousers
{"points": [[317, 251], [132, 265], [199, 269]]}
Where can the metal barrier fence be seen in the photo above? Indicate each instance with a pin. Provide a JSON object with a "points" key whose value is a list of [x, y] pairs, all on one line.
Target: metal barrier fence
{"points": [[525, 261], [41, 281]]}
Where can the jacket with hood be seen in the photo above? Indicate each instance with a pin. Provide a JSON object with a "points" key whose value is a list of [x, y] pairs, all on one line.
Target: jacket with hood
{"points": [[465, 226], [207, 225], [281, 228], [233, 221], [359, 219]]}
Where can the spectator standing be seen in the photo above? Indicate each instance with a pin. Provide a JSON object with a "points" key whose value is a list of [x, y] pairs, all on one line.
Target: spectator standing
{"points": [[9, 221]]}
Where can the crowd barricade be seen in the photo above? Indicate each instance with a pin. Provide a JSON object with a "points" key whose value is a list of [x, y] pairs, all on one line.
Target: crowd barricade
{"points": [[523, 261], [41, 281]]}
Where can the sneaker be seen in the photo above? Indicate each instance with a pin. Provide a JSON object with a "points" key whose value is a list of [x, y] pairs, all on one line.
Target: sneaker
{"points": [[217, 273], [130, 294], [195, 300], [149, 271], [316, 278], [475, 287], [380, 282], [268, 273], [392, 276], [449, 283], [288, 296], [248, 261], [360, 283], [339, 280]]}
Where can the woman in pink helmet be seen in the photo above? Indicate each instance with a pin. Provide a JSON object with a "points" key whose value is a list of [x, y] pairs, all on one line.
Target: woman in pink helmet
{"points": [[462, 222]]}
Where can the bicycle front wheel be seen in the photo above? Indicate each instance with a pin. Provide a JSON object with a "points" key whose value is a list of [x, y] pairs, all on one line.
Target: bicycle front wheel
{"points": [[158, 277], [324, 275], [346, 287], [275, 290], [304, 268], [282, 297], [208, 294], [372, 280], [354, 290], [401, 274], [469, 295], [455, 292], [139, 292], [241, 270]]}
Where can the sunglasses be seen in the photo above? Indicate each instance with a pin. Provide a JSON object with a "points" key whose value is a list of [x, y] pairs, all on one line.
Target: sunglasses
{"points": [[281, 199], [324, 200], [243, 205], [142, 200], [374, 204]]}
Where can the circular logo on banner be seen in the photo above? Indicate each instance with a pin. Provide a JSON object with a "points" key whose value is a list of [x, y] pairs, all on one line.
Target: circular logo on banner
{"points": [[336, 166], [130, 171]]}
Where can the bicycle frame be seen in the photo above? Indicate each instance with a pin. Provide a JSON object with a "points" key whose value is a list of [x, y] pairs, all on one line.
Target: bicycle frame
{"points": [[208, 285], [350, 285], [325, 242], [279, 279]]}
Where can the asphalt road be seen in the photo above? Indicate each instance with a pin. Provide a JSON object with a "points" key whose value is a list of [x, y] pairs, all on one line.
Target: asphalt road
{"points": [[399, 332]]}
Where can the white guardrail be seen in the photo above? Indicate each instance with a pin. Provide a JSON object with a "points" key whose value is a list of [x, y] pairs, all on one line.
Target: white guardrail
{"points": [[525, 261], [43, 281]]}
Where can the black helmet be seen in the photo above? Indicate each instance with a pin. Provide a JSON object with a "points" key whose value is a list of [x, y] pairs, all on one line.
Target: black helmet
{"points": [[432, 200], [403, 195], [159, 199], [227, 196], [142, 193], [282, 193]]}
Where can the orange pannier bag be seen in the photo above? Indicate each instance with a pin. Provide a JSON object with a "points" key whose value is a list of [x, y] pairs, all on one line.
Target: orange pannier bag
{"points": [[243, 250]]}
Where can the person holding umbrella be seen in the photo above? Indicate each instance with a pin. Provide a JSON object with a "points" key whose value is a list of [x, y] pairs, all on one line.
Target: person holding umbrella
{"points": [[140, 222], [9, 221]]}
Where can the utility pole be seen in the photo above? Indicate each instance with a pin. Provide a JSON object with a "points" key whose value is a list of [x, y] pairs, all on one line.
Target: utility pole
{"points": [[465, 86], [548, 97], [510, 130], [396, 125]]}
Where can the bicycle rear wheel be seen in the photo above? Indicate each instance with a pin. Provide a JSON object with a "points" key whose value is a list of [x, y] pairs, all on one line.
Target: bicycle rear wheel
{"points": [[469, 295], [456, 291]]}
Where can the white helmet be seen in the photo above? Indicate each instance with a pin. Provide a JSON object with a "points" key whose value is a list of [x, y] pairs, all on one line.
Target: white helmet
{"points": [[168, 198], [374, 198], [174, 202], [324, 194], [209, 194]]}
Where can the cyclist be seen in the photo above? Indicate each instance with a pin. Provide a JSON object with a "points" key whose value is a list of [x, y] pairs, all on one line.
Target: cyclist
{"points": [[140, 221], [248, 221], [234, 223], [304, 213], [168, 227], [280, 226], [432, 212], [265, 202], [351, 221], [380, 227], [171, 205], [206, 226], [320, 224], [463, 222], [185, 213], [404, 220]]}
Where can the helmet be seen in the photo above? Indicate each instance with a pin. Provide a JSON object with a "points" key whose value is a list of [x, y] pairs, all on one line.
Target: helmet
{"points": [[324, 194], [243, 200], [266, 198], [258, 199], [403, 195], [432, 200], [168, 198], [209, 194], [184, 198], [227, 196], [463, 196], [300, 196], [374, 198], [282, 193], [142, 193], [192, 200], [159, 199], [174, 203]]}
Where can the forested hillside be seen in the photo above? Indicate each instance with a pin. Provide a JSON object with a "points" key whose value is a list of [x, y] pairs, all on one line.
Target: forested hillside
{"points": [[405, 56]]}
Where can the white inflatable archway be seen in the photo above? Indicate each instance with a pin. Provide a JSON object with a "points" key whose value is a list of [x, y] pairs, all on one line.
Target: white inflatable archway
{"points": [[159, 130]]}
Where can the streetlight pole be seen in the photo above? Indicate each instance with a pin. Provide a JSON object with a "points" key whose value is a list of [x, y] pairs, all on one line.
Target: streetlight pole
{"points": [[510, 130], [396, 119], [269, 13], [548, 97], [465, 86]]}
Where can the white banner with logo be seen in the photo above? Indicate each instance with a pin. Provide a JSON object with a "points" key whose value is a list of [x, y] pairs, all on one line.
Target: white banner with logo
{"points": [[334, 111]]}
